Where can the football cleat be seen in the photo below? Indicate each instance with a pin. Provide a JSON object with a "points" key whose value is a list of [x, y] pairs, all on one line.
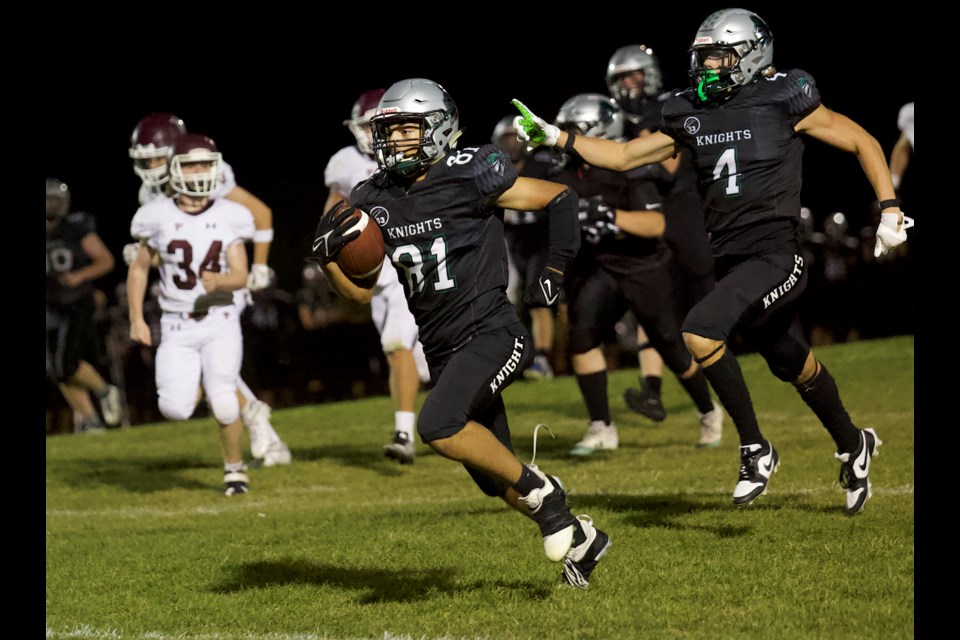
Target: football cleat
{"points": [[539, 369], [548, 507], [757, 463], [854, 469], [277, 454], [711, 427], [256, 417], [235, 483], [646, 403], [600, 436], [582, 559], [400, 448], [110, 406]]}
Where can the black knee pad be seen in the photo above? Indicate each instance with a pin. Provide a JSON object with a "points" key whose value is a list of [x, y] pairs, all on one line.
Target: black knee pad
{"points": [[786, 360]]}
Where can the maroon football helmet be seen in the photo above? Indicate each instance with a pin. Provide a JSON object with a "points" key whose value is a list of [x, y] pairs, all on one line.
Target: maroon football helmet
{"points": [[153, 138], [198, 154], [363, 109]]}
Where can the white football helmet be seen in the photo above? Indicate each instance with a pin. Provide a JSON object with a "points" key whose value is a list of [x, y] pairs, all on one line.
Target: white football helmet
{"points": [[425, 103]]}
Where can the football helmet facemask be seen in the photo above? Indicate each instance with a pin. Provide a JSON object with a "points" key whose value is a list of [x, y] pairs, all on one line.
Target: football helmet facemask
{"points": [[191, 149], [429, 106], [153, 138], [743, 44], [591, 114]]}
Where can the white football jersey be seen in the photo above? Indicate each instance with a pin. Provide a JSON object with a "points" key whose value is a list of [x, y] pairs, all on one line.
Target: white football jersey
{"points": [[905, 121], [348, 168], [227, 183], [190, 244]]}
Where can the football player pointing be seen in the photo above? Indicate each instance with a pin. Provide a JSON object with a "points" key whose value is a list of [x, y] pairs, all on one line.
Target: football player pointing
{"points": [[437, 206], [741, 122]]}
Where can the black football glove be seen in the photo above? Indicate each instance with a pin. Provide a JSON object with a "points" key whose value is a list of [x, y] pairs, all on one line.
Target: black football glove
{"points": [[333, 232], [597, 219], [547, 291]]}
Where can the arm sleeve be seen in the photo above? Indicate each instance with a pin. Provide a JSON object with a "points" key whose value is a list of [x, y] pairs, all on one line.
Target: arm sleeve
{"points": [[564, 237]]}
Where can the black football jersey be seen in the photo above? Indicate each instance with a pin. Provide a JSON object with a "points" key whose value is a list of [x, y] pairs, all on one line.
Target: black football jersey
{"points": [[748, 159], [635, 190], [65, 254], [444, 236]]}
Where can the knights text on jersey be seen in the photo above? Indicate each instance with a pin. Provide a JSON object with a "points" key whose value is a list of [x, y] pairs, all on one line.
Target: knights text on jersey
{"points": [[444, 236], [65, 254], [748, 158], [190, 244]]}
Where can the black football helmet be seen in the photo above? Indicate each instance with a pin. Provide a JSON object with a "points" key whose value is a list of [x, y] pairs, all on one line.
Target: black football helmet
{"points": [[153, 137], [58, 199]]}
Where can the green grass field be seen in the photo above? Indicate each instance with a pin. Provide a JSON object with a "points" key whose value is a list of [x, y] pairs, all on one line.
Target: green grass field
{"points": [[344, 543]]}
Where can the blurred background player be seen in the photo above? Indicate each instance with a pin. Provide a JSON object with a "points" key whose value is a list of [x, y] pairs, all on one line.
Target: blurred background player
{"points": [[902, 152], [399, 335], [76, 257], [526, 234], [621, 266], [203, 260], [635, 81], [151, 146]]}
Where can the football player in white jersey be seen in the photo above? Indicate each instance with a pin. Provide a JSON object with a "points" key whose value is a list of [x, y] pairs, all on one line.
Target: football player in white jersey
{"points": [[399, 335], [150, 146], [202, 261]]}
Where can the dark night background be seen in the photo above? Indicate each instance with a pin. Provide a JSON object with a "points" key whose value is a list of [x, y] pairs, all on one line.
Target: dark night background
{"points": [[274, 107]]}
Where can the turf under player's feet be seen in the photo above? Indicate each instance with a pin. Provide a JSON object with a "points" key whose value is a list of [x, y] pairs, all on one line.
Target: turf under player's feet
{"points": [[600, 436], [400, 448], [854, 469], [235, 483], [582, 558], [646, 403], [548, 507], [711, 427], [757, 463]]}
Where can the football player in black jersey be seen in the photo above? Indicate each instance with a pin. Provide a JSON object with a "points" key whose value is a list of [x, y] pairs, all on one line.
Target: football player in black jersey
{"points": [[621, 266], [438, 207], [741, 123], [76, 256], [634, 80]]}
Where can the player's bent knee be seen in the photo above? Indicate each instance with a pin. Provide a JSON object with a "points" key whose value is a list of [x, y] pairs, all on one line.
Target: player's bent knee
{"points": [[225, 407], [176, 409]]}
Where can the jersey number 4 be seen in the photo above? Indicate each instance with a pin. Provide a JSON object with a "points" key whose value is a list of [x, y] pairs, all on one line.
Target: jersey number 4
{"points": [[413, 260], [727, 164], [187, 279]]}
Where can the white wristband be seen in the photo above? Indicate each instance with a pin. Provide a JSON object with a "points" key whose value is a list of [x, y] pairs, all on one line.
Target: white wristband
{"points": [[263, 235]]}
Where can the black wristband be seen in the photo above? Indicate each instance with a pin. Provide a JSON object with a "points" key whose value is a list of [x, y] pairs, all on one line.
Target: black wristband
{"points": [[893, 202], [568, 145]]}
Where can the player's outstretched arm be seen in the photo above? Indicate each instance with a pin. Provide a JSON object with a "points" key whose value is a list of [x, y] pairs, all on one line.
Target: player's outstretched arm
{"points": [[262, 222]]}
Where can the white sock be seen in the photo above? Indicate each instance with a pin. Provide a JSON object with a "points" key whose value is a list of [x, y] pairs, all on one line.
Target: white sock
{"points": [[404, 423], [232, 467]]}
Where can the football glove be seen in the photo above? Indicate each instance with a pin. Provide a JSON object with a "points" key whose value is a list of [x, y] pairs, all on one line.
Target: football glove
{"points": [[533, 129], [547, 291], [259, 277], [597, 219], [130, 252], [333, 232], [888, 234]]}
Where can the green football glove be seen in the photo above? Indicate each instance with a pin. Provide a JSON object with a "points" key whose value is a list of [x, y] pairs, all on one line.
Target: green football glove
{"points": [[533, 129]]}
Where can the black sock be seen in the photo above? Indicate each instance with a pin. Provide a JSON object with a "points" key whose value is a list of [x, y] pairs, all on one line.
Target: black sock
{"points": [[593, 386], [653, 384], [821, 394], [528, 481], [543, 352], [727, 381], [696, 386]]}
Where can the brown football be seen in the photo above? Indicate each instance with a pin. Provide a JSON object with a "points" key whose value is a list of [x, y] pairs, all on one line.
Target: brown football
{"points": [[361, 257]]}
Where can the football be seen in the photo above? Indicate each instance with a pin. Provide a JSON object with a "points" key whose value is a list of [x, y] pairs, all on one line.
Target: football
{"points": [[362, 257]]}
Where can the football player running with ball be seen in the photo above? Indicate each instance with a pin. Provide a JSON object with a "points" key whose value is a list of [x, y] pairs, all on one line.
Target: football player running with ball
{"points": [[741, 123], [438, 206]]}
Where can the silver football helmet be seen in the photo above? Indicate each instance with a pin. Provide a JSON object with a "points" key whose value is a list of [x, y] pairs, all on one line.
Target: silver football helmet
{"points": [[422, 102], [505, 137], [592, 114], [741, 41], [58, 199], [628, 60]]}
